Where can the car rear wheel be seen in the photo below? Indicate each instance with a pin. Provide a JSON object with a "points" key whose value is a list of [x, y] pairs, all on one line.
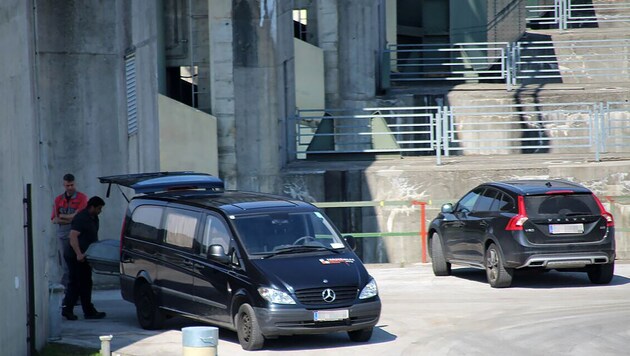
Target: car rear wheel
{"points": [[498, 275], [601, 274], [149, 315], [249, 335], [362, 335], [438, 261]]}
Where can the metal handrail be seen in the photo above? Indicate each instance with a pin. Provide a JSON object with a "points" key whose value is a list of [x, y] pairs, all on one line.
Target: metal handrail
{"points": [[590, 128], [563, 13], [512, 63]]}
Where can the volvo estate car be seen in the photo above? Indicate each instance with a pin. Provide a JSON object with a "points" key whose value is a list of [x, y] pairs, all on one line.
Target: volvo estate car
{"points": [[259, 264], [525, 224]]}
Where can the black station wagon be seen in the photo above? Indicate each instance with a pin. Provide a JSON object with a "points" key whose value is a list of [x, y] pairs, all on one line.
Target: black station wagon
{"points": [[259, 264], [537, 224]]}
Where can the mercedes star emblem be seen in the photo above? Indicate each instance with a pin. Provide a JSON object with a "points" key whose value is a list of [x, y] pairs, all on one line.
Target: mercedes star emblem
{"points": [[328, 295]]}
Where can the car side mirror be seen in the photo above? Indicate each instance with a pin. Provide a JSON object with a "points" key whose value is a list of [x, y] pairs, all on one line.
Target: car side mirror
{"points": [[217, 253], [447, 208], [350, 241]]}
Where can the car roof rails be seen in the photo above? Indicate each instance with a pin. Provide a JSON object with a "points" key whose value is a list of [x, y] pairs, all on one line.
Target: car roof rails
{"points": [[157, 182]]}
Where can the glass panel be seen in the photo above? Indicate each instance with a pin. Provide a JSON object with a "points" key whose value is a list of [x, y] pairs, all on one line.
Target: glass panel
{"points": [[216, 233], [266, 233], [560, 205], [484, 202], [180, 229], [145, 223], [467, 203]]}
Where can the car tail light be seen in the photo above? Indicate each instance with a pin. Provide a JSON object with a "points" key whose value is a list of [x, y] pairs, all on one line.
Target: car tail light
{"points": [[610, 222], [516, 223]]}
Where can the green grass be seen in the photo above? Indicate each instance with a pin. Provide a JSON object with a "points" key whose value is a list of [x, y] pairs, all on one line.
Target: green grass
{"points": [[54, 349]]}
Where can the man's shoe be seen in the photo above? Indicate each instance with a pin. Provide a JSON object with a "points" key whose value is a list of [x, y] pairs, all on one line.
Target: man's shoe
{"points": [[95, 315], [69, 315]]}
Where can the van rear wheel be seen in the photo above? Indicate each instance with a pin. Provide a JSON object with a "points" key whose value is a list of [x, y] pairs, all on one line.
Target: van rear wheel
{"points": [[249, 335], [149, 315]]}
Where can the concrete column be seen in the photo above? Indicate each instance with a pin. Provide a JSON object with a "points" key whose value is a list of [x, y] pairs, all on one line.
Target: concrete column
{"points": [[220, 27], [263, 92]]}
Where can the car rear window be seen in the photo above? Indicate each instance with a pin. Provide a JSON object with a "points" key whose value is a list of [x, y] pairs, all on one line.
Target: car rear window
{"points": [[560, 205]]}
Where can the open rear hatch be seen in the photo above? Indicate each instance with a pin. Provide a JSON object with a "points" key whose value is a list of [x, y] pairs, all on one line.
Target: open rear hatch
{"points": [[104, 255]]}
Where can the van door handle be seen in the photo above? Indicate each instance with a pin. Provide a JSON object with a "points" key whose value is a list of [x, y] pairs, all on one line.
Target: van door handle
{"points": [[187, 263]]}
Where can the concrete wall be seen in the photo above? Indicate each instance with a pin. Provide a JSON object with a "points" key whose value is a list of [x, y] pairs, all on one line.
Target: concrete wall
{"points": [[20, 163], [63, 99], [188, 138], [309, 76]]}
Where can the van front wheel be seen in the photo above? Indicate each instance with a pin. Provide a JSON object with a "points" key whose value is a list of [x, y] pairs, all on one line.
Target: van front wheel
{"points": [[248, 330], [149, 315], [362, 335]]}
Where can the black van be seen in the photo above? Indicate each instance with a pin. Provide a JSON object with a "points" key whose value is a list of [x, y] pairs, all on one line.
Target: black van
{"points": [[259, 264]]}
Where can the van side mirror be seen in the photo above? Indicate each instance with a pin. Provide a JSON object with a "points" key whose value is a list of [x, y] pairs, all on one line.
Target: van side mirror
{"points": [[217, 253], [351, 241], [447, 208]]}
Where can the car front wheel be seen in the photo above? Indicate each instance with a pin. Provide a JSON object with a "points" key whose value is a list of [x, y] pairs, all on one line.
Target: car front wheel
{"points": [[440, 266], [498, 275]]}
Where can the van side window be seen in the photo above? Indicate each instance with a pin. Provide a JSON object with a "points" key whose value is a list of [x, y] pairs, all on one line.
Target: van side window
{"points": [[215, 233], [145, 222], [180, 228]]}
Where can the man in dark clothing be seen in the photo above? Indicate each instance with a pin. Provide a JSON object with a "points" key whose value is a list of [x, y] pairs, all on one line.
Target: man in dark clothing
{"points": [[83, 232]]}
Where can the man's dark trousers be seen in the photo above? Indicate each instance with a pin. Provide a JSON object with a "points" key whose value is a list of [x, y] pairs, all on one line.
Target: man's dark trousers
{"points": [[79, 285]]}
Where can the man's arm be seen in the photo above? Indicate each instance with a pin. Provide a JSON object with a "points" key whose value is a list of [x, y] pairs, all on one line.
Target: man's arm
{"points": [[74, 244], [65, 218]]}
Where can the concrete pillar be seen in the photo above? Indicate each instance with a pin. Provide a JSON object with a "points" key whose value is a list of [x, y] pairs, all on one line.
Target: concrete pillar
{"points": [[252, 77]]}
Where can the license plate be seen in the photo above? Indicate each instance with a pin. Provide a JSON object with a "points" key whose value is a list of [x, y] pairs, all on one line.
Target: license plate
{"points": [[566, 228], [331, 315]]}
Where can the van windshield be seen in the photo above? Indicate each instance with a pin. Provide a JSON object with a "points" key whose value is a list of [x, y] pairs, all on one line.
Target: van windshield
{"points": [[265, 234]]}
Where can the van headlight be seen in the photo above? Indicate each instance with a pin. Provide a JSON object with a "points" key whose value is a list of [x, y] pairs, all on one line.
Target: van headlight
{"points": [[275, 296], [370, 290]]}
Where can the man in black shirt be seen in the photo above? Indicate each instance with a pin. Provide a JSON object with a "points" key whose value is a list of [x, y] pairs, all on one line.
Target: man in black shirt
{"points": [[84, 231]]}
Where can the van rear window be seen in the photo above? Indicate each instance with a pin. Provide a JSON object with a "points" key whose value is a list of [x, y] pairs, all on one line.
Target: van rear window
{"points": [[145, 222]]}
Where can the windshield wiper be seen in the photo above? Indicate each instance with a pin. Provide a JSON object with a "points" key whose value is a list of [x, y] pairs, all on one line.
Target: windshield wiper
{"points": [[300, 248]]}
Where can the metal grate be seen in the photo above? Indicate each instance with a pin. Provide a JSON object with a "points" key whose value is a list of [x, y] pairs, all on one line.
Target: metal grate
{"points": [[313, 296], [130, 84]]}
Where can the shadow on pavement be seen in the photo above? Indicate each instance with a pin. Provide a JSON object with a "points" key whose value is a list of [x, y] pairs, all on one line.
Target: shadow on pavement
{"points": [[536, 279]]}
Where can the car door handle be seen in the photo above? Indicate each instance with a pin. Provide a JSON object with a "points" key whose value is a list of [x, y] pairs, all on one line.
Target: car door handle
{"points": [[484, 223]]}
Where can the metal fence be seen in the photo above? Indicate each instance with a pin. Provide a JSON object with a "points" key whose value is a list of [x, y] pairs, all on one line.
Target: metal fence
{"points": [[522, 62], [564, 14], [591, 128]]}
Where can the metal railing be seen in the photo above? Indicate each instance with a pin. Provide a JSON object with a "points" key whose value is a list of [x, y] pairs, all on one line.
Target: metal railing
{"points": [[564, 14], [523, 62], [591, 128]]}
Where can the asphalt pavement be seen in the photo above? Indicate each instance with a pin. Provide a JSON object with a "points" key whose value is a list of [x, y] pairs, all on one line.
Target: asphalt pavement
{"points": [[541, 314]]}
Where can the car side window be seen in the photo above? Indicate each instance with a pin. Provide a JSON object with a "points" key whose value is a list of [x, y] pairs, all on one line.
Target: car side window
{"points": [[486, 200], [215, 233], [503, 203], [145, 223], [467, 203], [180, 227]]}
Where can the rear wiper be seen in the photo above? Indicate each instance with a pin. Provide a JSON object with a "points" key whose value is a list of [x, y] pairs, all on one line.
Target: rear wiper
{"points": [[300, 248]]}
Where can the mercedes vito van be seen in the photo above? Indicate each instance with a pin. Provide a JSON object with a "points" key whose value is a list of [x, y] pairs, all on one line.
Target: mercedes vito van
{"points": [[259, 264]]}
